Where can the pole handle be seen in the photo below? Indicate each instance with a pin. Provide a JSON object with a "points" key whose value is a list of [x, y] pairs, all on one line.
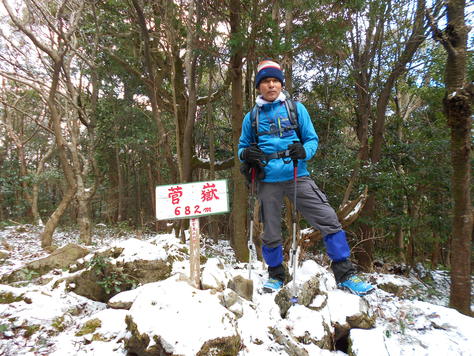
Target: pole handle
{"points": [[295, 161]]}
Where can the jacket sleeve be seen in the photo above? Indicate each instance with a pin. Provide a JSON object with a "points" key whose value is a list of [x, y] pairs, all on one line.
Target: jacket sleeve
{"points": [[246, 136], [309, 136]]}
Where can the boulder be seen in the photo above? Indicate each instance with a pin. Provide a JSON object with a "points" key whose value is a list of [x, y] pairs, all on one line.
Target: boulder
{"points": [[113, 278], [415, 328], [103, 326], [347, 311], [88, 284], [333, 312], [123, 300], [303, 295], [242, 286], [214, 275], [147, 271], [4, 254], [10, 294], [343, 305], [60, 258], [290, 347], [310, 288], [317, 332], [359, 345], [232, 301], [199, 324], [112, 271]]}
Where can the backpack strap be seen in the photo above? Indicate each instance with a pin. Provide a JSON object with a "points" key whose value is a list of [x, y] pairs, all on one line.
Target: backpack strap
{"points": [[292, 115], [254, 120]]}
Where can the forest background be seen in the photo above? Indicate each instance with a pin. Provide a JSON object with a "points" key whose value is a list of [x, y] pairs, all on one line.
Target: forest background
{"points": [[103, 100]]}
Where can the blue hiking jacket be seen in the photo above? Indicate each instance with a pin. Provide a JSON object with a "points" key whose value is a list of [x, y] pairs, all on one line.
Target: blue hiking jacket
{"points": [[275, 113]]}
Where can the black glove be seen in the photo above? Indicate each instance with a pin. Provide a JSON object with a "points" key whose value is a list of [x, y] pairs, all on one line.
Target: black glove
{"points": [[246, 170], [253, 155], [297, 151]]}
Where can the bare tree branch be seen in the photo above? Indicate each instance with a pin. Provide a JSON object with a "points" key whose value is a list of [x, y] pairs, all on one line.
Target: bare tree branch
{"points": [[53, 54], [439, 35]]}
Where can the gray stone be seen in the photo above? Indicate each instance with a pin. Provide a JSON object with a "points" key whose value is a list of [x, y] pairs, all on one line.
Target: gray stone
{"points": [[231, 300], [196, 314], [304, 295], [60, 258], [4, 254], [242, 286]]}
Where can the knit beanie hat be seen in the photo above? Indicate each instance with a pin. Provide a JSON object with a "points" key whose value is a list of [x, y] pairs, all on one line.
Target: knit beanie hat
{"points": [[268, 69]]}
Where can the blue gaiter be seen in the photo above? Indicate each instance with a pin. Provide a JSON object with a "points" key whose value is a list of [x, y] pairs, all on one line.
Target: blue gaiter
{"points": [[273, 255]]}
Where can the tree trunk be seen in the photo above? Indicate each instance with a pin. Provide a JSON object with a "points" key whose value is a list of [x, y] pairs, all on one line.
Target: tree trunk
{"points": [[413, 211], [2, 159], [152, 87], [138, 198], [35, 187], [58, 50], [416, 39], [364, 255], [34, 205], [238, 238], [457, 108], [459, 119], [84, 220], [53, 221], [288, 57], [17, 139], [23, 176], [190, 68], [400, 239], [361, 60], [212, 157], [435, 253], [119, 188]]}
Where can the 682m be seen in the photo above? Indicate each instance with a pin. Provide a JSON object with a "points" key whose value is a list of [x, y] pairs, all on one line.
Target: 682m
{"points": [[187, 210]]}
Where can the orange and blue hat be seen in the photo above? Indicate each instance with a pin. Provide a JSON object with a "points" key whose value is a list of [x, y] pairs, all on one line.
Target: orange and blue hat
{"points": [[268, 69]]}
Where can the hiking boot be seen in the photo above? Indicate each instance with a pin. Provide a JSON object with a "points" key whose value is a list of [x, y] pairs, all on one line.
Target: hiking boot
{"points": [[272, 285], [356, 286], [288, 276]]}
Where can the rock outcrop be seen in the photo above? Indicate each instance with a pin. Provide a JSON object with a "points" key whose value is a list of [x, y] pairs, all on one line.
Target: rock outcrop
{"points": [[61, 258], [173, 318]]}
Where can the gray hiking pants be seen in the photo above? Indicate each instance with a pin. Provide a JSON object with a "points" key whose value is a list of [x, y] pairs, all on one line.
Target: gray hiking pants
{"points": [[311, 202]]}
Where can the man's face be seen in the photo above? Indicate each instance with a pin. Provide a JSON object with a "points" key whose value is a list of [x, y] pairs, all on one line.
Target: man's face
{"points": [[270, 88]]}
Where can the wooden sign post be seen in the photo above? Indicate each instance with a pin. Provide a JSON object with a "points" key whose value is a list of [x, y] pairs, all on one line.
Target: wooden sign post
{"points": [[189, 201], [194, 252]]}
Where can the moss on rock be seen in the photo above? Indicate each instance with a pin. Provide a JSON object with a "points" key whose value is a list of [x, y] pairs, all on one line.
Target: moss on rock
{"points": [[138, 343], [221, 346], [60, 258], [361, 321], [59, 324], [30, 330], [148, 271], [9, 297], [89, 327]]}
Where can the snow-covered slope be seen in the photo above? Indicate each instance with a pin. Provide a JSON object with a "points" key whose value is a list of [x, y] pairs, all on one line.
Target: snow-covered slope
{"points": [[42, 316]]}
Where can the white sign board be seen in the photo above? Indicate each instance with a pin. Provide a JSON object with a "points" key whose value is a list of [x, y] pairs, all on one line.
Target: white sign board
{"points": [[190, 200]]}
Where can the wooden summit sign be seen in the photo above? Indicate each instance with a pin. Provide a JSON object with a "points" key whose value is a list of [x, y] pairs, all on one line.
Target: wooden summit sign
{"points": [[189, 201]]}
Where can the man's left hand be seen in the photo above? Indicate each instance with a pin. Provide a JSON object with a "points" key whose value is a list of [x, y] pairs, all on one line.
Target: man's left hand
{"points": [[297, 151]]}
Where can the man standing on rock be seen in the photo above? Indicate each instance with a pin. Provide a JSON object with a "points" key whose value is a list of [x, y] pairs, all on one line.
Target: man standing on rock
{"points": [[270, 141]]}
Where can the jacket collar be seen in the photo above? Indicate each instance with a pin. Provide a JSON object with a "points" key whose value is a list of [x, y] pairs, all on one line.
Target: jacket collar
{"points": [[260, 101]]}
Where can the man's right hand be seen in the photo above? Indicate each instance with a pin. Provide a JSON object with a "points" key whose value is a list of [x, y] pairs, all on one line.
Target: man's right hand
{"points": [[253, 155]]}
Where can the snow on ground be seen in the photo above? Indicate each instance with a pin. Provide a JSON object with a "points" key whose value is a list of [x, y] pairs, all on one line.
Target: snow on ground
{"points": [[411, 320]]}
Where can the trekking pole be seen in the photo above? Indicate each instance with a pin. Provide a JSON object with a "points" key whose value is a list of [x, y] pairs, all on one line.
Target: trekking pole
{"points": [[250, 244], [294, 299]]}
